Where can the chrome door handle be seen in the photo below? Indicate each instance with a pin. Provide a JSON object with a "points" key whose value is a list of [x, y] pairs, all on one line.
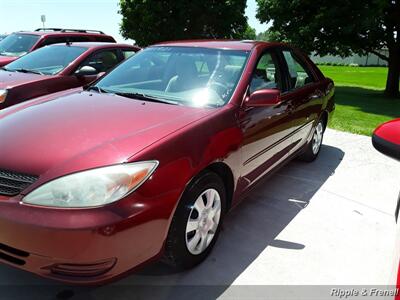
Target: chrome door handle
{"points": [[316, 95]]}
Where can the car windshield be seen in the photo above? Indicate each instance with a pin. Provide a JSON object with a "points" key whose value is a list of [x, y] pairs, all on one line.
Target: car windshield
{"points": [[178, 75], [48, 60], [17, 44]]}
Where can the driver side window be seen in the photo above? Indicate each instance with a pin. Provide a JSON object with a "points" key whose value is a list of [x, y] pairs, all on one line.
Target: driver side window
{"points": [[266, 75], [101, 61]]}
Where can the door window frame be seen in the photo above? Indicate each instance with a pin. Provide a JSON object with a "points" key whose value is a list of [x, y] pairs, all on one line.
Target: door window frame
{"points": [[275, 55], [116, 50], [275, 52]]}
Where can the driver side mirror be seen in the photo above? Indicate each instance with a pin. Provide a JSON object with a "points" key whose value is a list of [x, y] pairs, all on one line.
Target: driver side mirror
{"points": [[264, 97], [86, 71]]}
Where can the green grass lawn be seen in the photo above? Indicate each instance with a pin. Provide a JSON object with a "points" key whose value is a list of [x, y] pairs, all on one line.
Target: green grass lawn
{"points": [[360, 104]]}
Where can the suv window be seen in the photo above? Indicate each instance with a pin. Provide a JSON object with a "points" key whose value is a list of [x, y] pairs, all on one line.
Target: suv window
{"points": [[105, 39], [103, 60], [299, 74], [70, 38], [54, 40], [77, 39], [17, 44], [266, 75]]}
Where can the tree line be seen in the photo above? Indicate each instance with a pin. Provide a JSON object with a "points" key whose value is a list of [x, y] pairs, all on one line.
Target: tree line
{"points": [[339, 27]]}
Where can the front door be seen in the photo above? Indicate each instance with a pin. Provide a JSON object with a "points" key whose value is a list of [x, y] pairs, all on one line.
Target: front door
{"points": [[266, 130]]}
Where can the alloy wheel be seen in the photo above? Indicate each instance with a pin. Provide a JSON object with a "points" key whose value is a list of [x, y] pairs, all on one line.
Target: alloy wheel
{"points": [[317, 138]]}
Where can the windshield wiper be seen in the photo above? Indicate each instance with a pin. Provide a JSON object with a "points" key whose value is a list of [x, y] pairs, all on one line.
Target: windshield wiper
{"points": [[145, 97], [21, 70], [97, 89]]}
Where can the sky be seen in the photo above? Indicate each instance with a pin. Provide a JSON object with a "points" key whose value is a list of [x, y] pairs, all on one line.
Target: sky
{"points": [[82, 14]]}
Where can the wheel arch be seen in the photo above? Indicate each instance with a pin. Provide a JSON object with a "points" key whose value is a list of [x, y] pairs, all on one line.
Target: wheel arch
{"points": [[226, 174], [324, 117]]}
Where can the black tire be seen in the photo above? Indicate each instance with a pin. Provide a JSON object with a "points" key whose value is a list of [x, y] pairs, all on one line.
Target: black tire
{"points": [[177, 253], [309, 154]]}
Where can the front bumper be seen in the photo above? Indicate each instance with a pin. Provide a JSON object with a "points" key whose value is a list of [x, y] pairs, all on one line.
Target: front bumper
{"points": [[87, 246]]}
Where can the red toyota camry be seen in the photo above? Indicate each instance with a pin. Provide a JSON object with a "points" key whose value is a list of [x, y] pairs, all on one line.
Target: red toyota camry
{"points": [[146, 162]]}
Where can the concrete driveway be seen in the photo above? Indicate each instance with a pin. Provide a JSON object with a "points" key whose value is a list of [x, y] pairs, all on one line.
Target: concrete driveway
{"points": [[330, 222]]}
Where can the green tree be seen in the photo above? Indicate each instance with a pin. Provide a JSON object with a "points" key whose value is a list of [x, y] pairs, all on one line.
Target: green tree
{"points": [[268, 36], [339, 27], [151, 21], [249, 34]]}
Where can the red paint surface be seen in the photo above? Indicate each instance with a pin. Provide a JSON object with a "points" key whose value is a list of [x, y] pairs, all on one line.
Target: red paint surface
{"points": [[6, 60], [389, 131]]}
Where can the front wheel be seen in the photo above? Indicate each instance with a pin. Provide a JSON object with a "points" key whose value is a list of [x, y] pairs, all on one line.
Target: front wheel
{"points": [[196, 222], [314, 146]]}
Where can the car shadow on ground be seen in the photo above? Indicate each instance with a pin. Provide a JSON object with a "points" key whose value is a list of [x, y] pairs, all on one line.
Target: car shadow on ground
{"points": [[248, 230]]}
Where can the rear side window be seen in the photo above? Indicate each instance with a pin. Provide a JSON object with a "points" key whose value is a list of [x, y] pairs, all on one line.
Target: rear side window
{"points": [[77, 39], [101, 38], [55, 40], [74, 39], [128, 53], [299, 74]]}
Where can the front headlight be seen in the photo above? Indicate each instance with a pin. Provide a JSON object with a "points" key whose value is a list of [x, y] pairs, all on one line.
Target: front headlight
{"points": [[3, 95], [93, 187]]}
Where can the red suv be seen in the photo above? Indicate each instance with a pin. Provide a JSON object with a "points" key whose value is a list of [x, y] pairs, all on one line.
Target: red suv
{"points": [[58, 67], [147, 161], [20, 43]]}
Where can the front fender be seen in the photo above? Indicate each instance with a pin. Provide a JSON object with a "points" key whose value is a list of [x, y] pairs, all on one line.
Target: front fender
{"points": [[187, 152]]}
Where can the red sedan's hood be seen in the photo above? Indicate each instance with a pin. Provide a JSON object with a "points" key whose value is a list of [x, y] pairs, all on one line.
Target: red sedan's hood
{"points": [[4, 60], [12, 79], [84, 130]]}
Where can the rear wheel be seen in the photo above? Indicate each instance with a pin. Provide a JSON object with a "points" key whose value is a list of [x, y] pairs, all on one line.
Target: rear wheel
{"points": [[196, 222], [314, 146]]}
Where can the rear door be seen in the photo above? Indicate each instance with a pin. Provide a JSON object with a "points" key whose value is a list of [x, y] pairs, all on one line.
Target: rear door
{"points": [[304, 94]]}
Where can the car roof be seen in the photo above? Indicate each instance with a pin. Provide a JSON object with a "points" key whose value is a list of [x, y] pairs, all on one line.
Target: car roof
{"points": [[91, 45], [49, 33], [244, 45]]}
